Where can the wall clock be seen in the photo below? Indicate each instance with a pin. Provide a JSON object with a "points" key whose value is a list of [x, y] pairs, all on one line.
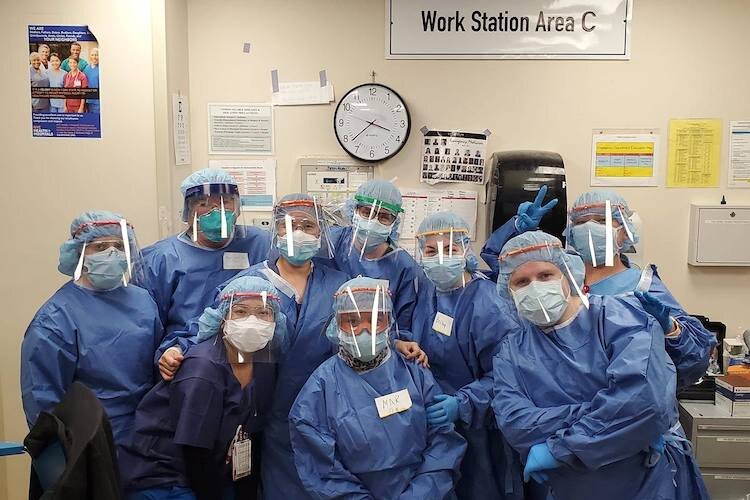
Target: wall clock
{"points": [[372, 122]]}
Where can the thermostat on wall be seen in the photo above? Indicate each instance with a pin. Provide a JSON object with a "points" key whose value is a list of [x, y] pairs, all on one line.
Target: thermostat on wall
{"points": [[333, 178]]}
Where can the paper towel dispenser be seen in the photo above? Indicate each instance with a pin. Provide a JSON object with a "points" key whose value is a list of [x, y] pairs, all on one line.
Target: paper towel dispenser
{"points": [[719, 235]]}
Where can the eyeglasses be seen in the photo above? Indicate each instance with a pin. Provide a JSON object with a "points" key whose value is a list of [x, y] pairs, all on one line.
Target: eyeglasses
{"points": [[102, 245], [382, 215]]}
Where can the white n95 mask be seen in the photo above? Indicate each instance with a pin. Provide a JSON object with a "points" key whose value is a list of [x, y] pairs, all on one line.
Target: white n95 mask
{"points": [[249, 334], [541, 302]]}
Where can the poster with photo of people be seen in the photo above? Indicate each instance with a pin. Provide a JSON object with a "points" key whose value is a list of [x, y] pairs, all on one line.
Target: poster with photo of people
{"points": [[451, 156], [64, 78]]}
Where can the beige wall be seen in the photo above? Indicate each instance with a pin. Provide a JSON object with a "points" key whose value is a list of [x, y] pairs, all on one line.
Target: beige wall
{"points": [[49, 181], [688, 61]]}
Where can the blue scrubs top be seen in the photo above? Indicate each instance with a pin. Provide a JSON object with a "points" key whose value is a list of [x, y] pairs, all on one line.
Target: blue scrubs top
{"points": [[397, 267], [461, 362], [202, 408], [343, 449], [103, 339], [183, 277], [598, 390]]}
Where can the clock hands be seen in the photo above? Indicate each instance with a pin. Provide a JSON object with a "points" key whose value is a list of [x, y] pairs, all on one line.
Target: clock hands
{"points": [[372, 123], [369, 124]]}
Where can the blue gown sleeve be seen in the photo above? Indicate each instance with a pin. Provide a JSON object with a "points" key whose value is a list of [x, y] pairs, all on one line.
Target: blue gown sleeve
{"points": [[196, 400], [691, 351], [314, 445], [522, 422], [494, 244], [158, 284], [634, 409], [49, 355], [439, 470], [490, 322], [405, 301]]}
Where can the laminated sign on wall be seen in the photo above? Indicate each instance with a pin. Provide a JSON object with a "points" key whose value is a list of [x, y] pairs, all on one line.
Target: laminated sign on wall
{"points": [[507, 29]]}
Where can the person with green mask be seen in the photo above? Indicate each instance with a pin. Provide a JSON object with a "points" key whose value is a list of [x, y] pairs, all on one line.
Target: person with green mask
{"points": [[183, 271]]}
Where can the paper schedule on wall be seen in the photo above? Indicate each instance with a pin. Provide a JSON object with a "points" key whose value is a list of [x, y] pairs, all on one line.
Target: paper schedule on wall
{"points": [[240, 129], [624, 158], [419, 203], [694, 153], [256, 180], [739, 154]]}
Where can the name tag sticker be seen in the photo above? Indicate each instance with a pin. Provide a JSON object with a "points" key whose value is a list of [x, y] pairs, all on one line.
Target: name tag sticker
{"points": [[443, 324], [236, 260], [393, 403]]}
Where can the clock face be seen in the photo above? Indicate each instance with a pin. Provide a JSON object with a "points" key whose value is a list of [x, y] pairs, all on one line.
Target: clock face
{"points": [[372, 122]]}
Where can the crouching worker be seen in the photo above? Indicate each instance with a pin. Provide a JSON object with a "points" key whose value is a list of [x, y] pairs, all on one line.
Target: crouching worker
{"points": [[359, 426], [193, 435]]}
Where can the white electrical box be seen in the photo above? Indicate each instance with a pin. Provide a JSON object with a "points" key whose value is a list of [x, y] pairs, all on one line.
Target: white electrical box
{"points": [[332, 178], [719, 235]]}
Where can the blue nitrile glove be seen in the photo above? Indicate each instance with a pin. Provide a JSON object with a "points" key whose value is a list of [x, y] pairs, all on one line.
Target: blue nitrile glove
{"points": [[442, 410], [657, 309], [539, 459], [531, 214]]}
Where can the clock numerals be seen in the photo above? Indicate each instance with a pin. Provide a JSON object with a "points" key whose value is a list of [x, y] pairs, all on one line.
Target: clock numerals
{"points": [[387, 150], [346, 138], [398, 138], [403, 123], [348, 107], [341, 122], [373, 91], [372, 153]]}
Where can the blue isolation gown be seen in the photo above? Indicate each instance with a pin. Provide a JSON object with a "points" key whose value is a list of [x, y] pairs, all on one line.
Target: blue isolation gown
{"points": [[343, 449], [396, 267], [103, 339], [461, 362], [599, 390], [182, 276]]}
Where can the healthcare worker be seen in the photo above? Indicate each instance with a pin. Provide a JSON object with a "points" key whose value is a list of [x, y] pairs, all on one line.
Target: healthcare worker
{"points": [[688, 343], [99, 328], [460, 321], [369, 248], [183, 271], [193, 434], [359, 425], [584, 389]]}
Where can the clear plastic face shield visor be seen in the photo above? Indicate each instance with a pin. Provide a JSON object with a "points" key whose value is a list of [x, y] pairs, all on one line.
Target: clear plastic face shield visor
{"points": [[111, 259], [297, 224], [548, 252], [361, 310], [617, 222], [212, 211], [442, 247], [254, 313], [374, 221]]}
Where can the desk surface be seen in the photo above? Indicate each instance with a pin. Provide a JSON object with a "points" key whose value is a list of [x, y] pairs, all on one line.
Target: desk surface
{"points": [[708, 410]]}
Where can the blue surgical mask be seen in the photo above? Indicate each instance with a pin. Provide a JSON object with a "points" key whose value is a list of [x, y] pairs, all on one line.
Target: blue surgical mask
{"points": [[370, 233], [364, 342], [445, 276], [305, 246], [540, 296], [210, 224], [105, 269], [579, 239]]}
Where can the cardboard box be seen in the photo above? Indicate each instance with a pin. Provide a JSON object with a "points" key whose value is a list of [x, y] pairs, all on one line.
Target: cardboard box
{"points": [[733, 394]]}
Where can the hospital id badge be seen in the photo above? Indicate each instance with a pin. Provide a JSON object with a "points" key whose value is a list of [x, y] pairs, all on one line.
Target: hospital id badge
{"points": [[241, 461], [393, 403], [443, 324], [236, 260]]}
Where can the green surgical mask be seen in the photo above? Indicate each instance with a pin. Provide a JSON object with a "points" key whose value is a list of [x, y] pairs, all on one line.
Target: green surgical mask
{"points": [[210, 224]]}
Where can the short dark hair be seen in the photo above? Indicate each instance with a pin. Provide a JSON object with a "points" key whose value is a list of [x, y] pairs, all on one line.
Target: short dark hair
{"points": [[55, 54], [75, 43]]}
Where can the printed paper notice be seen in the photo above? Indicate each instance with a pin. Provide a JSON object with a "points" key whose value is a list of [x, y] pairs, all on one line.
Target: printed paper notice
{"points": [[256, 180], [450, 156], [419, 203], [240, 129], [739, 154], [624, 158], [181, 129], [299, 93], [694, 153]]}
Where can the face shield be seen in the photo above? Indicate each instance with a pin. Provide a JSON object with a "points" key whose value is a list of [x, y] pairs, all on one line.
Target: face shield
{"points": [[374, 223], [443, 255], [109, 255], [363, 319], [300, 231], [250, 330], [212, 212], [600, 232]]}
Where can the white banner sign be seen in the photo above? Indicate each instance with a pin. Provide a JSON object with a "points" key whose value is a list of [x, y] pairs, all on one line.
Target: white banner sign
{"points": [[508, 29]]}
